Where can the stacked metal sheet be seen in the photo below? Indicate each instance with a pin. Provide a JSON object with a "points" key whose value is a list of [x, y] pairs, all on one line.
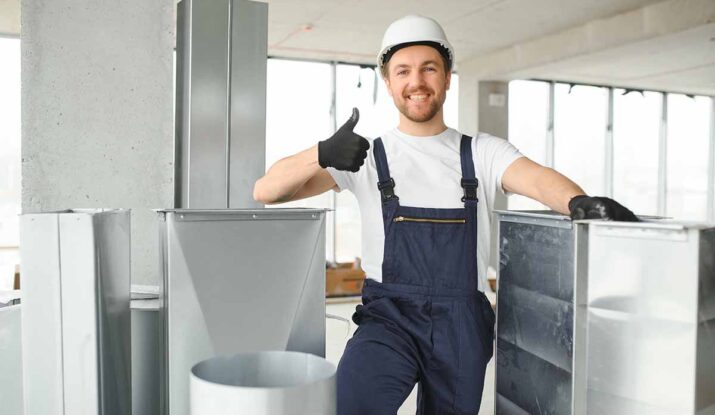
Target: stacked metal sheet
{"points": [[75, 312], [239, 281]]}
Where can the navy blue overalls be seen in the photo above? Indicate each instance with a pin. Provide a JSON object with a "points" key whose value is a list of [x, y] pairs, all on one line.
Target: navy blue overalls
{"points": [[427, 321]]}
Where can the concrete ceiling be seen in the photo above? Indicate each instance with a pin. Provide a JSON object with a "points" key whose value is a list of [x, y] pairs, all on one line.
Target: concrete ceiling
{"points": [[351, 30], [665, 45]]}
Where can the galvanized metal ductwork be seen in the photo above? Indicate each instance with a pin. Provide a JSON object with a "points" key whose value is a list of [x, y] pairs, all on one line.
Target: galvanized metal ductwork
{"points": [[604, 317], [76, 347], [220, 102], [239, 281]]}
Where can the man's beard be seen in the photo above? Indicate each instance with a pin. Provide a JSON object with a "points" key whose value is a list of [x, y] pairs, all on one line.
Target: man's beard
{"points": [[412, 115]]}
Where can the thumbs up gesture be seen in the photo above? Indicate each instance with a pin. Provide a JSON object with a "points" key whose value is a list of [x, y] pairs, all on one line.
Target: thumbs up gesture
{"points": [[345, 150]]}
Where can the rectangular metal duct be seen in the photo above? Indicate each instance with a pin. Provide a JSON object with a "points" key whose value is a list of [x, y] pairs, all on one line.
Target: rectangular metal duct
{"points": [[535, 313], [147, 350], [604, 317], [75, 312], [220, 102], [647, 339], [238, 281]]}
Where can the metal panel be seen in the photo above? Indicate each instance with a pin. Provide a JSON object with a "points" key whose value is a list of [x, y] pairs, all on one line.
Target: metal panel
{"points": [[705, 372], [203, 59], [239, 281], [147, 353], [535, 312], [10, 360], [41, 314], [221, 102], [643, 319], [247, 146], [76, 312], [80, 331]]}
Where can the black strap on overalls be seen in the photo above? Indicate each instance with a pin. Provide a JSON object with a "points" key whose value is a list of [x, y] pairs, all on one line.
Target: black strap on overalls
{"points": [[469, 182]]}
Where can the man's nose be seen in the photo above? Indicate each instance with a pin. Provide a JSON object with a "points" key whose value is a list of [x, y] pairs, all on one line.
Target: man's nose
{"points": [[417, 78]]}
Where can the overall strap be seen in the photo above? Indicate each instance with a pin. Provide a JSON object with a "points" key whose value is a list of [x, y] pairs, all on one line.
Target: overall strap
{"points": [[385, 183], [469, 179]]}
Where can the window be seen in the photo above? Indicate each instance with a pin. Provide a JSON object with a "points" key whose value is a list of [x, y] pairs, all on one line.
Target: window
{"points": [[9, 159], [299, 99], [528, 124], [298, 103], [643, 178], [687, 163], [636, 134], [580, 116]]}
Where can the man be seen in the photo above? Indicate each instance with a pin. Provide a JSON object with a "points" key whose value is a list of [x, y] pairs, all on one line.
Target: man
{"points": [[425, 196]]}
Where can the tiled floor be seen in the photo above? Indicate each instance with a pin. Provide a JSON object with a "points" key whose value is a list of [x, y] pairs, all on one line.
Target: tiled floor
{"points": [[338, 333]]}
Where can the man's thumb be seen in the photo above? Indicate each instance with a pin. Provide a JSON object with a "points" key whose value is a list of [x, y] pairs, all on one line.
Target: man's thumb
{"points": [[353, 120]]}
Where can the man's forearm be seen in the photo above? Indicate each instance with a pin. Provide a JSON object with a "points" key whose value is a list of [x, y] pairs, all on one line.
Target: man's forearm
{"points": [[286, 177], [556, 190]]}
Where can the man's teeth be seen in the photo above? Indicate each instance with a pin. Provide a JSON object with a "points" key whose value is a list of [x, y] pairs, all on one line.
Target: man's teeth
{"points": [[418, 97]]}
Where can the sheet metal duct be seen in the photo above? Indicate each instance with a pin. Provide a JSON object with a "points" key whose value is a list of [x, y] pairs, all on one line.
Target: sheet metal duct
{"points": [[535, 314], [647, 342], [603, 317], [75, 312], [239, 281], [220, 102], [264, 383], [147, 350]]}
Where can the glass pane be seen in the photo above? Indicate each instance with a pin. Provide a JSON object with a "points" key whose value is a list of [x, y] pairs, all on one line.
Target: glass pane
{"points": [[528, 123], [636, 132], [688, 136], [579, 135], [451, 105], [297, 114], [364, 88], [9, 159]]}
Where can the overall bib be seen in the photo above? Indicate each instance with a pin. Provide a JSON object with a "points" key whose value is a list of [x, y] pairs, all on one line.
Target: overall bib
{"points": [[427, 321]]}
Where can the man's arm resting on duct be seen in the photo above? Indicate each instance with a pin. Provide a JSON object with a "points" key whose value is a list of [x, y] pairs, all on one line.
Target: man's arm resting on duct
{"points": [[540, 183], [292, 178]]}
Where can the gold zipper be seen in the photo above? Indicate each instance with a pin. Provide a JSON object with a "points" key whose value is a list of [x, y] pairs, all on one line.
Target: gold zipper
{"points": [[404, 219]]}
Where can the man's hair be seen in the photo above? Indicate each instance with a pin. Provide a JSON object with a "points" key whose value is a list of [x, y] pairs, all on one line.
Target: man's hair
{"points": [[443, 53]]}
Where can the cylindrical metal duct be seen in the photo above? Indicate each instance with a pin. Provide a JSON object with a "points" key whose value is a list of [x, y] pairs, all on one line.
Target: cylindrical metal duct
{"points": [[264, 383]]}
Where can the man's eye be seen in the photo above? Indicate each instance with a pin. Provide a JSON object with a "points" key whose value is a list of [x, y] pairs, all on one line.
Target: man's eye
{"points": [[401, 72], [430, 69]]}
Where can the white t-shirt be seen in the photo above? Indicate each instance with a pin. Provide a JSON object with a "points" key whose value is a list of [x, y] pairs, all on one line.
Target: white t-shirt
{"points": [[427, 173]]}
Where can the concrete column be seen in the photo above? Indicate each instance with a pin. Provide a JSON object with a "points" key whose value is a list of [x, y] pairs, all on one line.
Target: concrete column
{"points": [[484, 107], [97, 118]]}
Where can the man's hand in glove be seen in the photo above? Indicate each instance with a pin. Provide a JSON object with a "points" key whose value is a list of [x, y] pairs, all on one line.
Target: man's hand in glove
{"points": [[587, 207], [345, 150]]}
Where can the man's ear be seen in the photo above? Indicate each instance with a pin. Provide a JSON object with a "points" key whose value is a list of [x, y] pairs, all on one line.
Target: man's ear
{"points": [[387, 85], [448, 80]]}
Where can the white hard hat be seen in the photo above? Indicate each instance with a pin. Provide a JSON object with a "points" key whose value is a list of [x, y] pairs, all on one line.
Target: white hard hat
{"points": [[414, 29]]}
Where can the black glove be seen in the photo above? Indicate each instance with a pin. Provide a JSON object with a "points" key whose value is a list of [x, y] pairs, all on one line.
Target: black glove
{"points": [[587, 207], [345, 150]]}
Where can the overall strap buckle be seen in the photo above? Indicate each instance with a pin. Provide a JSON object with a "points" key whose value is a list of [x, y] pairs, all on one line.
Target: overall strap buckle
{"points": [[470, 189], [387, 190]]}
